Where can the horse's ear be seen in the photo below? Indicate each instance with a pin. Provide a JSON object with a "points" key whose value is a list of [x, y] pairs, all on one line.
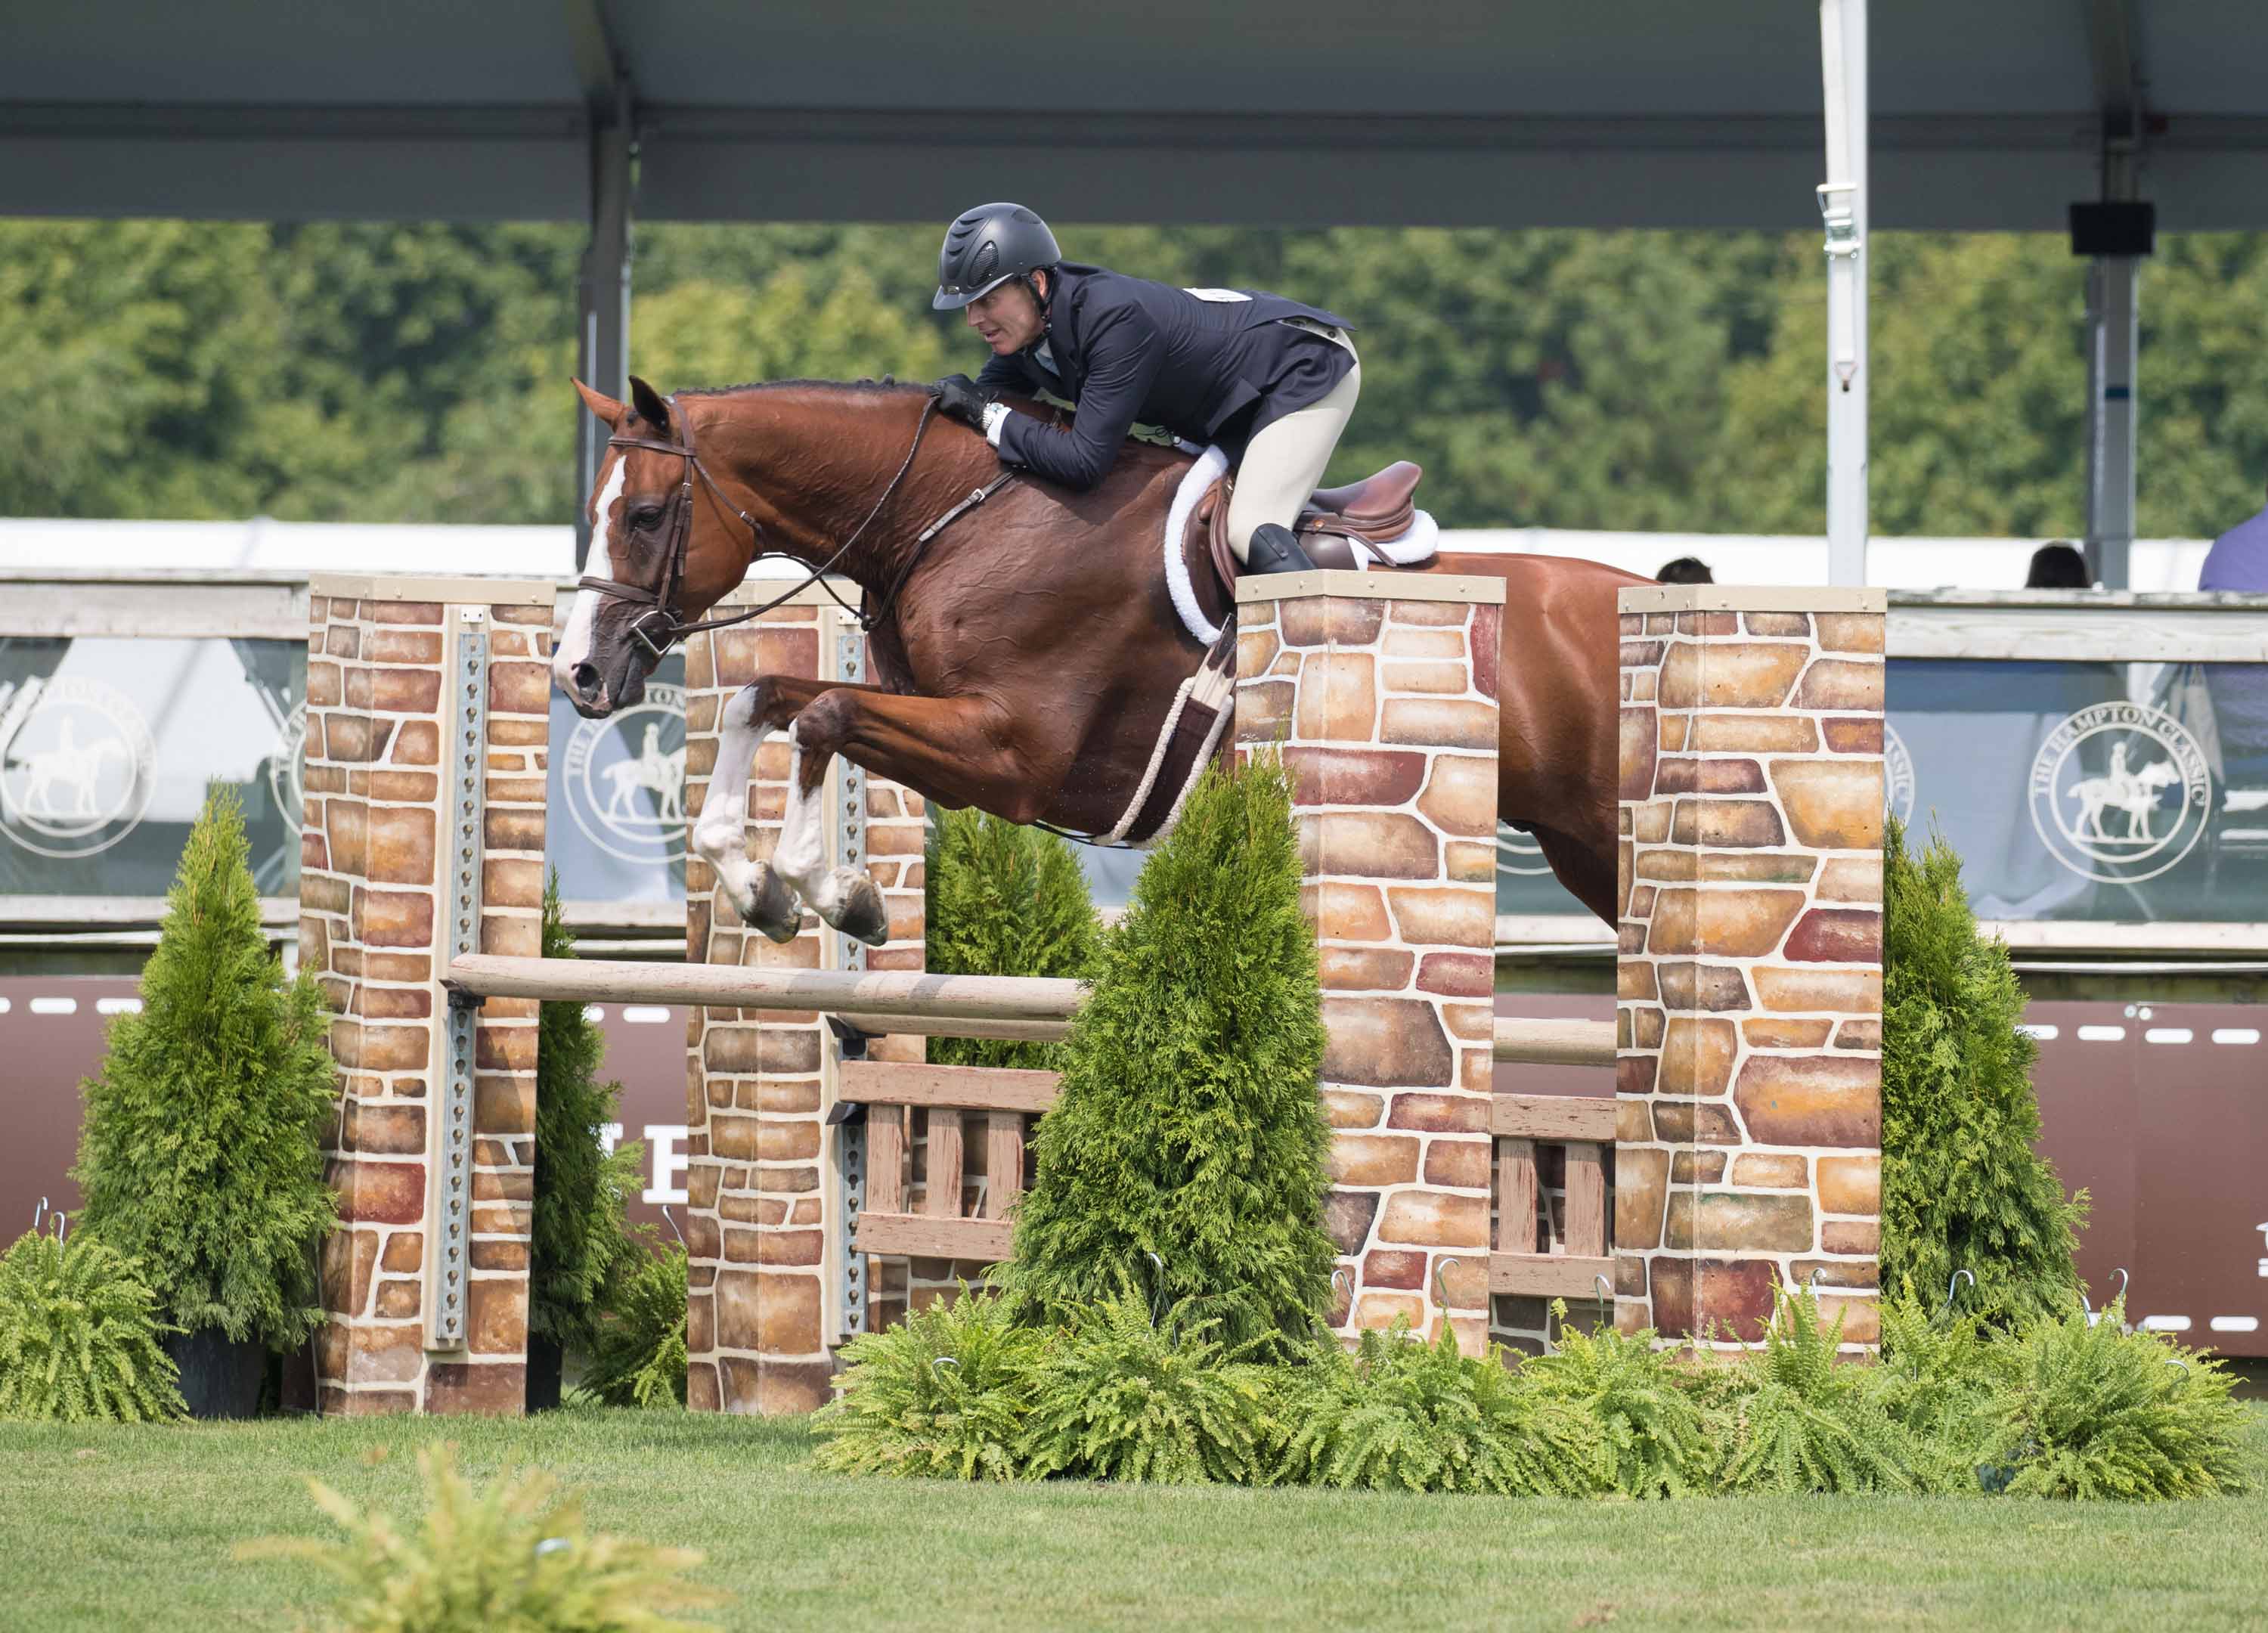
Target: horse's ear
{"points": [[599, 403], [650, 407]]}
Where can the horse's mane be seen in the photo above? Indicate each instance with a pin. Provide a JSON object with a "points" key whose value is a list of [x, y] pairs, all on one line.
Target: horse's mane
{"points": [[885, 386]]}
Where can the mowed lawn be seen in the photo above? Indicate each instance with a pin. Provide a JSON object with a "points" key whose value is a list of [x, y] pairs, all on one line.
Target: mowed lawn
{"points": [[117, 1528]]}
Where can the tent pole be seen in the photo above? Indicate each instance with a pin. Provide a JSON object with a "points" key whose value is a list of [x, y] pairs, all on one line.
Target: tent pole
{"points": [[603, 305], [2113, 311], [1843, 205]]}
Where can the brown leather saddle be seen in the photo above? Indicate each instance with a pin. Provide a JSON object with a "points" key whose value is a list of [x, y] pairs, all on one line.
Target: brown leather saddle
{"points": [[1379, 507]]}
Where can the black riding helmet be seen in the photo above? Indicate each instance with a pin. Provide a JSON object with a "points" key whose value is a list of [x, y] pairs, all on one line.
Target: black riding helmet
{"points": [[986, 247]]}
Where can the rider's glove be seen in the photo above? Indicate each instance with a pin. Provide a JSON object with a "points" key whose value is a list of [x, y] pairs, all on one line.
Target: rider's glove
{"points": [[963, 399]]}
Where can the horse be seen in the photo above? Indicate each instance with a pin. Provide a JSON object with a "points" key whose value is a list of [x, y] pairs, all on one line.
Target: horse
{"points": [[1025, 654]]}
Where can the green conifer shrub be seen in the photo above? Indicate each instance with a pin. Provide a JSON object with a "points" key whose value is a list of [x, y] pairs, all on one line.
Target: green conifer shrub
{"points": [[1121, 1396], [78, 1335], [944, 1394], [1004, 900], [579, 1233], [638, 1353], [200, 1155], [1188, 1126], [1399, 1413], [513, 1555], [1793, 1418], [2089, 1409], [1963, 1187], [1642, 1435]]}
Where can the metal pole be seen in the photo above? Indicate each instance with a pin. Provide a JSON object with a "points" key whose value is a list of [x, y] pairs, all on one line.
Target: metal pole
{"points": [[603, 305], [1842, 208], [2114, 288]]}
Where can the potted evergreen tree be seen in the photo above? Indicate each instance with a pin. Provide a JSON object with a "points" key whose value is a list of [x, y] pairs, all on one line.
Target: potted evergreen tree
{"points": [[1963, 1186], [580, 1241], [1184, 1158], [1004, 900], [201, 1152]]}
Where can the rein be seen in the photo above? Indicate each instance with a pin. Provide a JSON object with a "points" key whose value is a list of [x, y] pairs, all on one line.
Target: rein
{"points": [[661, 603]]}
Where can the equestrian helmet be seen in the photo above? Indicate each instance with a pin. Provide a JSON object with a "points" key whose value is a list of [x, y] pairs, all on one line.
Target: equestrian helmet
{"points": [[986, 247]]}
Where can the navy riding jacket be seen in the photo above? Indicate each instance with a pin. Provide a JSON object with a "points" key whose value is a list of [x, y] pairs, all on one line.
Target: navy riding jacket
{"points": [[1212, 367]]}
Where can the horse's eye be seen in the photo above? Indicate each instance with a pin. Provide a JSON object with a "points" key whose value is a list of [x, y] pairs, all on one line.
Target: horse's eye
{"points": [[645, 516]]}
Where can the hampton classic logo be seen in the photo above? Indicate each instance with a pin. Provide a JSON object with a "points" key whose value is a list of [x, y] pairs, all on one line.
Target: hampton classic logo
{"points": [[2120, 792], [75, 766], [1517, 854], [625, 777], [287, 770], [1898, 776]]}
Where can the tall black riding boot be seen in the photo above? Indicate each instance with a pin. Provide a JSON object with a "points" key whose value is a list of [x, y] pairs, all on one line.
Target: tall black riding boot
{"points": [[1273, 549]]}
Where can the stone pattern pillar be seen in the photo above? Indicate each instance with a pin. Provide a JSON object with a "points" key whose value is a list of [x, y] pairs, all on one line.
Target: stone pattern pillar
{"points": [[763, 1207], [374, 847], [1382, 690], [1748, 1074]]}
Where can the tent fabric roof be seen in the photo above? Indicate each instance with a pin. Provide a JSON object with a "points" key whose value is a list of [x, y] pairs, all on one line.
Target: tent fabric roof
{"points": [[1613, 113]]}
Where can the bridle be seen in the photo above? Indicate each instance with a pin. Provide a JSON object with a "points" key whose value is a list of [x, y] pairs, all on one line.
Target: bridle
{"points": [[661, 625]]}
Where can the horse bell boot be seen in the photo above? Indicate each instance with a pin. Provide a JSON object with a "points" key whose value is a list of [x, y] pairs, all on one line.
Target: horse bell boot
{"points": [[1274, 550]]}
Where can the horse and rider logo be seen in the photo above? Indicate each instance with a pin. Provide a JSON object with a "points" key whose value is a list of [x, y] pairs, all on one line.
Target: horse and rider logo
{"points": [[625, 778], [2120, 792], [1898, 776], [75, 758]]}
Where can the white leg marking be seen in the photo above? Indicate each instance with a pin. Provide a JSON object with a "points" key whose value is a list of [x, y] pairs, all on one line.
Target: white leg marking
{"points": [[802, 858], [575, 642], [719, 837]]}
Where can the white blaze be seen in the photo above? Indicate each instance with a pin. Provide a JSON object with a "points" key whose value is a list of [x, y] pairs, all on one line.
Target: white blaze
{"points": [[582, 619]]}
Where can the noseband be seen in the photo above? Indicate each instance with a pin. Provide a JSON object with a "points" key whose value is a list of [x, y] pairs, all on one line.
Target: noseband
{"points": [[661, 625]]}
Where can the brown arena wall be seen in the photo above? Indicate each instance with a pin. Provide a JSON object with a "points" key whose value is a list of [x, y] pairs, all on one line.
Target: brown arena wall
{"points": [[374, 848]]}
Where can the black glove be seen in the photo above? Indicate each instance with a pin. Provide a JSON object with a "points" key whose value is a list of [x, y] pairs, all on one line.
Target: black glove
{"points": [[963, 399]]}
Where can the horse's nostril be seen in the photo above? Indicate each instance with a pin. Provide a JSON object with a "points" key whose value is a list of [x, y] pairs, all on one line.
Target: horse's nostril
{"points": [[586, 677]]}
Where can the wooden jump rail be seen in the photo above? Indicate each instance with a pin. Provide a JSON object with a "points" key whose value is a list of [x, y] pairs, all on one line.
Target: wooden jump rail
{"points": [[1003, 1006]]}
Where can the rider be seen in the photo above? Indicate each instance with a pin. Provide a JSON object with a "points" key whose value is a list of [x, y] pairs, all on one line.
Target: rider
{"points": [[1267, 379]]}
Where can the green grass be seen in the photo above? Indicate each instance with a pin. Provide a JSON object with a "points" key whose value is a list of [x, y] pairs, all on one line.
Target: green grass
{"points": [[103, 1528]]}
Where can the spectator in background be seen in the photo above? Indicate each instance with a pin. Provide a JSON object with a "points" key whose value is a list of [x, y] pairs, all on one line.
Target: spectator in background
{"points": [[2059, 566], [2239, 560], [1686, 570]]}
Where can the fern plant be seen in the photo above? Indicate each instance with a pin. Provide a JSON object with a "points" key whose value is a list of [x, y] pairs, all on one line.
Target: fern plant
{"points": [[638, 1351], [1795, 1419], [1644, 1435], [943, 1394], [2091, 1411], [78, 1335], [1938, 1381], [1398, 1414], [1121, 1397], [513, 1559]]}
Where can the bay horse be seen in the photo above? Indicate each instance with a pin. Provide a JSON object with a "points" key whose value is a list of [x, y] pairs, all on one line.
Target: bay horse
{"points": [[1024, 657]]}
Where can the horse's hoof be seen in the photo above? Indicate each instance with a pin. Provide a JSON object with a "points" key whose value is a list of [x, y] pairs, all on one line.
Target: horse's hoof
{"points": [[853, 904], [772, 907]]}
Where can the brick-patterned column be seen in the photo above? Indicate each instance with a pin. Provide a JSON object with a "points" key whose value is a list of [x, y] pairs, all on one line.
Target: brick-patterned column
{"points": [[1382, 688], [376, 842], [763, 1211], [1750, 1071]]}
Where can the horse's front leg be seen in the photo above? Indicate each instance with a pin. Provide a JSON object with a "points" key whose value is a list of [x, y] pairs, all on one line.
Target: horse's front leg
{"points": [[764, 893], [719, 836], [959, 751]]}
